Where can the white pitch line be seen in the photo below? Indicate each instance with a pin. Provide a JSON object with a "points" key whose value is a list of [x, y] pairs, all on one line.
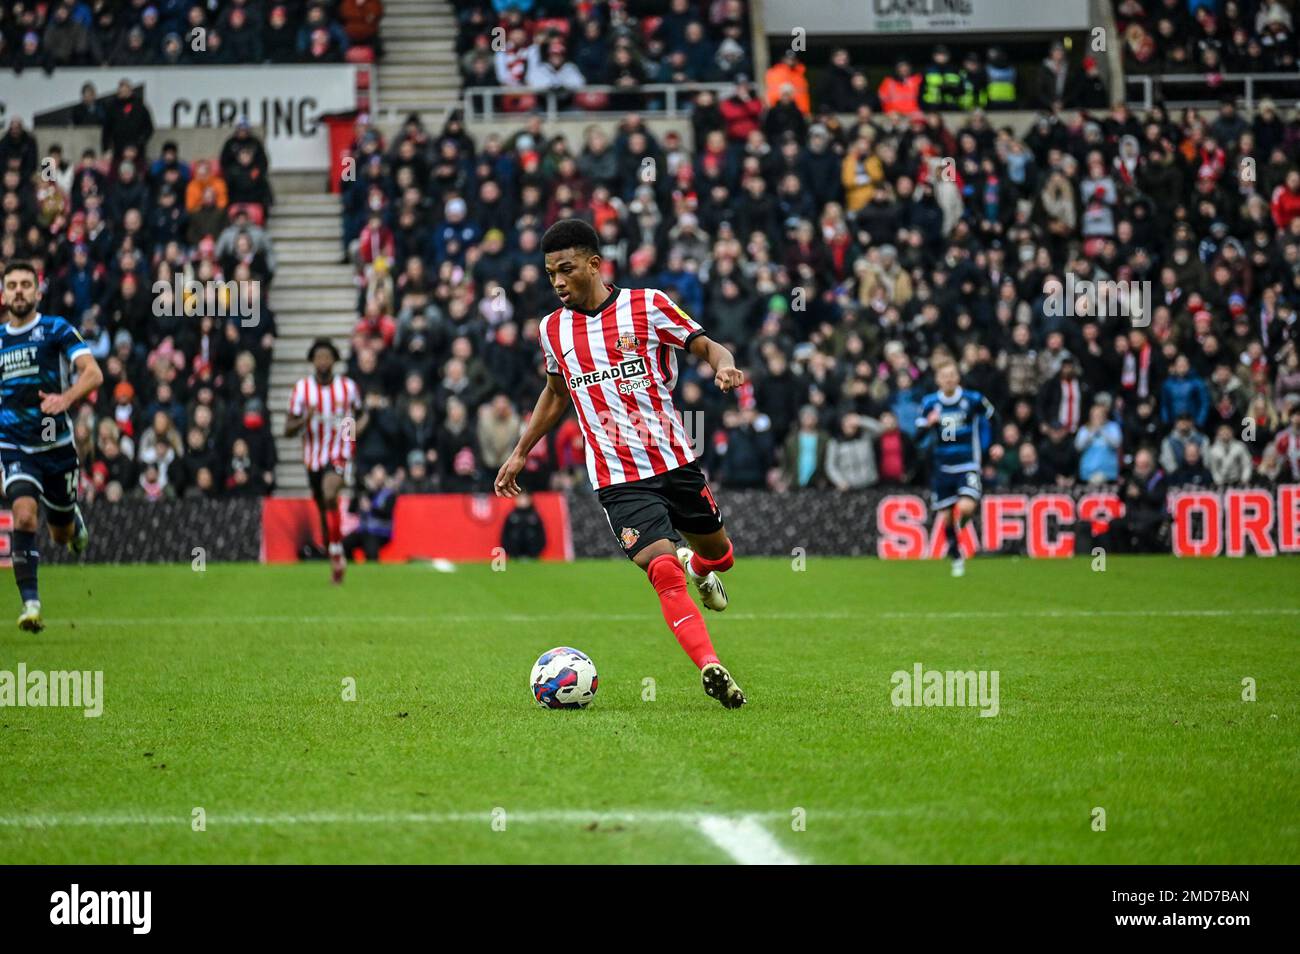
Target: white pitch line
{"points": [[635, 617], [249, 819], [430, 618], [741, 837], [745, 840], [1072, 613], [748, 822]]}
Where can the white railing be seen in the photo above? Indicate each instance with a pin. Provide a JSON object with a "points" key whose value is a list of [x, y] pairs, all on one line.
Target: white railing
{"points": [[1248, 87], [672, 96]]}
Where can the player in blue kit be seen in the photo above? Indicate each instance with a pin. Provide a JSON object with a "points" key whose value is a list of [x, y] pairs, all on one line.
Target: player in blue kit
{"points": [[36, 451], [958, 423]]}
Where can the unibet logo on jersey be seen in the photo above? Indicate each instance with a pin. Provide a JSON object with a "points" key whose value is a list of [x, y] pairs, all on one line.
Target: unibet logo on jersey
{"points": [[624, 372], [19, 362], [35, 358]]}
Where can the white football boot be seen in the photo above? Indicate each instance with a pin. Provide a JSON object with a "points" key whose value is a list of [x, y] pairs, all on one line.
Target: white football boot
{"points": [[712, 593], [31, 620]]}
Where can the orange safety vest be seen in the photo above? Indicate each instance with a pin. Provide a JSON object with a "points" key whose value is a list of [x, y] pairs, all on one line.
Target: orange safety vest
{"points": [[780, 74], [901, 96]]}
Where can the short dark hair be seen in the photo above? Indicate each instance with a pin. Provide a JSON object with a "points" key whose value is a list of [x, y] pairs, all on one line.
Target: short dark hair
{"points": [[20, 265], [570, 233], [323, 342]]}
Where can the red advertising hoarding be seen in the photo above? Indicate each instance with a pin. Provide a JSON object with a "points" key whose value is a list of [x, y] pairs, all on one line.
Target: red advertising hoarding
{"points": [[458, 527]]}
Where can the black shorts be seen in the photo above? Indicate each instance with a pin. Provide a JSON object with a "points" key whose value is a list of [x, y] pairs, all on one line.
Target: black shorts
{"points": [[316, 478], [49, 476], [945, 489], [643, 511]]}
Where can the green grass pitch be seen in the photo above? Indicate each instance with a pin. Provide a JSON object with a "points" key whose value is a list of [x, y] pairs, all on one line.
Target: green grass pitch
{"points": [[1120, 690]]}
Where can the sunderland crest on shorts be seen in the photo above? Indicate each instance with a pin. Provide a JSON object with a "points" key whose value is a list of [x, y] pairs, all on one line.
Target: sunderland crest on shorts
{"points": [[628, 536]]}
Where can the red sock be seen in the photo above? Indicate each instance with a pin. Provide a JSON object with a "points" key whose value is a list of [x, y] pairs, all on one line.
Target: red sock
{"points": [[680, 612], [701, 566], [333, 527]]}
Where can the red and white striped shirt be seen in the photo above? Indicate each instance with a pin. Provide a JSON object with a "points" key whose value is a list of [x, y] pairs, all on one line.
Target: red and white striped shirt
{"points": [[620, 364], [331, 434]]}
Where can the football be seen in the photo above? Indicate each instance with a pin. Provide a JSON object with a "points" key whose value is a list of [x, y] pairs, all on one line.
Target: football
{"points": [[563, 678]]}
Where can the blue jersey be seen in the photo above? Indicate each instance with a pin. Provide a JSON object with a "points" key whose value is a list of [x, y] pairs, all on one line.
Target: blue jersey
{"points": [[964, 430], [35, 357]]}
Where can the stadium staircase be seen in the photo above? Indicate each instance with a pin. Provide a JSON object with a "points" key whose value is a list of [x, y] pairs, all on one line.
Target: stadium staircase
{"points": [[313, 295], [418, 71]]}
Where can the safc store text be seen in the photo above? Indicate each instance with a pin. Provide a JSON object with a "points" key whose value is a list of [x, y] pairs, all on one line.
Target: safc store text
{"points": [[1232, 523]]}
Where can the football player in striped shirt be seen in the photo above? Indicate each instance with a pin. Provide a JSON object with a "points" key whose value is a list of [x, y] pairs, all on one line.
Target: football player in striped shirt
{"points": [[36, 449], [325, 406], [958, 422], [613, 353]]}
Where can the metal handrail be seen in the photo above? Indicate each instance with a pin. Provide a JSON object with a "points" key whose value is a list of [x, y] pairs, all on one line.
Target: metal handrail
{"points": [[671, 91], [1149, 81]]}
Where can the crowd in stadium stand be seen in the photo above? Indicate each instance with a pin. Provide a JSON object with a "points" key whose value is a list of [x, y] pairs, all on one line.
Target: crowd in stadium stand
{"points": [[116, 235], [45, 36], [1207, 36], [838, 259], [565, 46]]}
